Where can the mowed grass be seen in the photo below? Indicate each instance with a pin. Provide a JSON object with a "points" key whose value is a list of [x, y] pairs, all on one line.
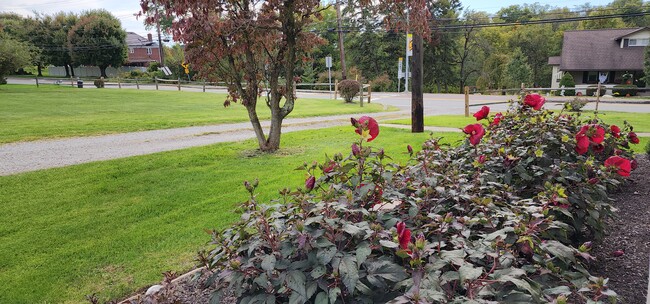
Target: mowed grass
{"points": [[30, 113], [640, 121], [113, 227]]}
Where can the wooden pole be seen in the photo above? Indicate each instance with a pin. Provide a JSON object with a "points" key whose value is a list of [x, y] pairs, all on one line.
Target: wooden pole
{"points": [[155, 80], [466, 101], [336, 89], [369, 92], [341, 45], [37, 81], [597, 99], [179, 83], [119, 83], [137, 85], [360, 95], [417, 93], [203, 86]]}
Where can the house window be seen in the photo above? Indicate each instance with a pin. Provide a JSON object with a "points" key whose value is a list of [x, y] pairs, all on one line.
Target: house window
{"points": [[131, 51], [638, 42], [148, 51]]}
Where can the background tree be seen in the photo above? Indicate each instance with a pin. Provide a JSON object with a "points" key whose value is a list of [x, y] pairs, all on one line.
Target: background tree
{"points": [[13, 55], [98, 39], [246, 43], [646, 65], [517, 70], [58, 51]]}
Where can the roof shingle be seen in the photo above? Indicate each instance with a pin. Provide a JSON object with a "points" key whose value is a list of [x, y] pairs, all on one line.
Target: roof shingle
{"points": [[599, 50]]}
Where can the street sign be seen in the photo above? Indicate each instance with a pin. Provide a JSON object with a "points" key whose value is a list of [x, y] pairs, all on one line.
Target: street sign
{"points": [[328, 61], [409, 45]]}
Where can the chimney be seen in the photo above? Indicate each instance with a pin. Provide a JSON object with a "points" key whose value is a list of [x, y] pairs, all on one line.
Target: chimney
{"points": [[149, 37]]}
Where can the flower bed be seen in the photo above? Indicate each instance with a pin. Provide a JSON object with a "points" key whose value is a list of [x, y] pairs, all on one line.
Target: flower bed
{"points": [[509, 215]]}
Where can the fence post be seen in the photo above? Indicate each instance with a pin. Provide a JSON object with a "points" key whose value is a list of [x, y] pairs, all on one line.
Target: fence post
{"points": [[336, 88], [119, 84], [369, 92], [203, 86], [466, 101], [37, 81], [179, 83], [597, 99], [361, 95], [137, 85], [155, 80]]}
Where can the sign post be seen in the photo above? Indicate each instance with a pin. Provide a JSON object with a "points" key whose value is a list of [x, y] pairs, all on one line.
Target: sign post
{"points": [[328, 64], [409, 52], [400, 73]]}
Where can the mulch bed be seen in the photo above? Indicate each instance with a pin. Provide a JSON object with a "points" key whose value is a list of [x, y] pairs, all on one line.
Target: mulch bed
{"points": [[629, 231]]}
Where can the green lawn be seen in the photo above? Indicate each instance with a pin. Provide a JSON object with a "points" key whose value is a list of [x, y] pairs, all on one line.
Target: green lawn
{"points": [[640, 121], [29, 113], [112, 227]]}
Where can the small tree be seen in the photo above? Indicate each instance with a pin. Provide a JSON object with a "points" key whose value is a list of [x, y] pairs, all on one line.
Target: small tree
{"points": [[246, 44], [98, 39], [568, 82], [349, 89], [13, 55]]}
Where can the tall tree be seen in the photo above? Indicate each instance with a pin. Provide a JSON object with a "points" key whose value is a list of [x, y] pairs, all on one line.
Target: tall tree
{"points": [[58, 50], [14, 54], [517, 70], [247, 42], [99, 40], [467, 47]]}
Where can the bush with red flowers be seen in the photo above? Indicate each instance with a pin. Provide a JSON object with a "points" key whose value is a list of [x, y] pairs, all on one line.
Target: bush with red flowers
{"points": [[507, 216]]}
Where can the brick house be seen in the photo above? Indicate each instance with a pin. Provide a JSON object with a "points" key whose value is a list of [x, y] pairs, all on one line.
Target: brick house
{"points": [[142, 51], [610, 53]]}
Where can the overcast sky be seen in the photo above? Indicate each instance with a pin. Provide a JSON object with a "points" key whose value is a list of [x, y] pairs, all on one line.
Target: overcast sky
{"points": [[125, 9]]}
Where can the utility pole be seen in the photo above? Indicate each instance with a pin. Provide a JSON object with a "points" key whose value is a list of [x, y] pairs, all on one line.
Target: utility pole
{"points": [[160, 45], [408, 53], [341, 47], [417, 97]]}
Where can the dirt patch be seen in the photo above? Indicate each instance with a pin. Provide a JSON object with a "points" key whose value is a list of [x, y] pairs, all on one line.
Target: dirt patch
{"points": [[629, 232]]}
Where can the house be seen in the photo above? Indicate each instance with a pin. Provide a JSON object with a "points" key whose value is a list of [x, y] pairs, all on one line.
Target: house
{"points": [[142, 51], [609, 54]]}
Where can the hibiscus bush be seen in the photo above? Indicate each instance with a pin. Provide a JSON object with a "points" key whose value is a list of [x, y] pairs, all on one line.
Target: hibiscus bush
{"points": [[506, 216]]}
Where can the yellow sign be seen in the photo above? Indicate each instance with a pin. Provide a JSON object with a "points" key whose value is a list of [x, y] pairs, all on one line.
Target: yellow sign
{"points": [[409, 45], [186, 66]]}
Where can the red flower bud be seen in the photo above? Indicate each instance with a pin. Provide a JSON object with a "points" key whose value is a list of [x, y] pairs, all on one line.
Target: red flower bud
{"points": [[330, 167], [310, 182], [633, 138], [481, 159], [356, 151], [618, 253], [633, 164], [410, 149]]}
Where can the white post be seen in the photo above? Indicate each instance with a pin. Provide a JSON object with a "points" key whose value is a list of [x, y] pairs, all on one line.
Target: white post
{"points": [[329, 76]]}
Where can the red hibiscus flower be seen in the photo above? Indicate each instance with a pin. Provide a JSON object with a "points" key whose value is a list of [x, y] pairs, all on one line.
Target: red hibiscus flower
{"points": [[482, 113], [403, 235], [594, 132], [622, 165], [599, 148], [497, 119], [367, 127], [582, 145], [535, 101], [330, 167], [356, 150], [633, 138], [475, 132], [481, 159], [616, 131]]}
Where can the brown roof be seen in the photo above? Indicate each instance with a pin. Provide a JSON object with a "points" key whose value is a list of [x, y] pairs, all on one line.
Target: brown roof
{"points": [[135, 40], [599, 50], [554, 60]]}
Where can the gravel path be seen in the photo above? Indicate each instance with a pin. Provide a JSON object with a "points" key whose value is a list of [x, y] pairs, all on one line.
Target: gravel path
{"points": [[44, 154]]}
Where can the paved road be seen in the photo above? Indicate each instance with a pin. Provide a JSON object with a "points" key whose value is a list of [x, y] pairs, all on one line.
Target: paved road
{"points": [[43, 154]]}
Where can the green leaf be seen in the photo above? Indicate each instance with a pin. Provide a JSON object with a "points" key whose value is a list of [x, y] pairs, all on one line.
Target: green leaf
{"points": [[469, 272], [362, 252], [334, 294], [349, 273], [321, 298], [318, 272], [559, 290], [296, 281], [268, 263], [388, 244], [353, 230], [560, 250], [325, 255]]}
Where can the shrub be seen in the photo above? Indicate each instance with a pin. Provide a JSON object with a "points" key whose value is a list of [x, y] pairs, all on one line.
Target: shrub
{"points": [[381, 84], [568, 82], [153, 67], [591, 90], [500, 218], [349, 89], [624, 90], [99, 83], [576, 104]]}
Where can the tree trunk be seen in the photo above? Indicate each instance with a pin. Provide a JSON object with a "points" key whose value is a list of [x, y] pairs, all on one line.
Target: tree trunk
{"points": [[257, 127], [417, 97], [40, 70], [71, 71], [341, 46], [102, 71], [67, 71]]}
